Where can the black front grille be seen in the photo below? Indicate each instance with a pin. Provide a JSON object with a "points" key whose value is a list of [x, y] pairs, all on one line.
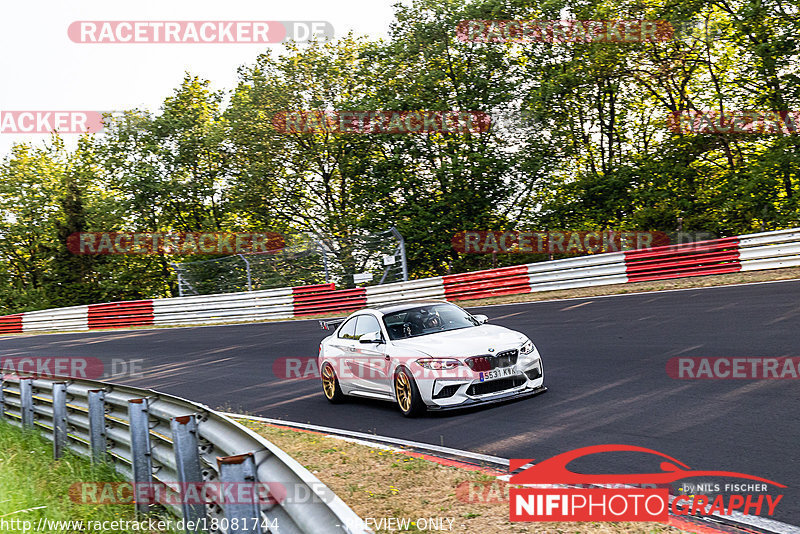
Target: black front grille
{"points": [[493, 386], [447, 391]]}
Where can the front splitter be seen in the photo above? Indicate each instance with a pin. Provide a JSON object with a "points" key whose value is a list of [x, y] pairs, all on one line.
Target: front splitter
{"points": [[494, 400]]}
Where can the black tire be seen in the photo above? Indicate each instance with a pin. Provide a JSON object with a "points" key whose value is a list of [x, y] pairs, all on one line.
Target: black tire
{"points": [[407, 394], [330, 385]]}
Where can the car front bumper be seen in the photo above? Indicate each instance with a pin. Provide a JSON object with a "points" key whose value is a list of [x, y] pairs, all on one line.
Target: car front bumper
{"points": [[451, 393]]}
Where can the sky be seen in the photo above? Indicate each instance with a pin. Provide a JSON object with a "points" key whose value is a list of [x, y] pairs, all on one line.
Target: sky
{"points": [[42, 69]]}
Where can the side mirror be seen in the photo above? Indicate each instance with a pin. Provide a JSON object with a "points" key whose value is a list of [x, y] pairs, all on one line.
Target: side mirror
{"points": [[482, 319], [371, 337]]}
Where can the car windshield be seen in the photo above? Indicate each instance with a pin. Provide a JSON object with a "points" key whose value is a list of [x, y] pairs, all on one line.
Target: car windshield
{"points": [[425, 320]]}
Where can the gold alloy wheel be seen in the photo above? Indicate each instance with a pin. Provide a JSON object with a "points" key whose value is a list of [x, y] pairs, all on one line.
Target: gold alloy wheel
{"points": [[328, 381], [403, 390]]}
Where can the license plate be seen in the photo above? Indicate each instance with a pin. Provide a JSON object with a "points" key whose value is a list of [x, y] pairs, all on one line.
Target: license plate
{"points": [[494, 374]]}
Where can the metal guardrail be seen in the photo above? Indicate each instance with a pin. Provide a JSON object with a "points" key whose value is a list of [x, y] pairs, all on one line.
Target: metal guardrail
{"points": [[246, 306], [72, 318], [770, 250], [150, 437], [584, 271]]}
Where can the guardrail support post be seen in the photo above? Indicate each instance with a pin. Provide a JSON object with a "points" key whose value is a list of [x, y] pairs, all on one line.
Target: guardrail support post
{"points": [[241, 469], [97, 424], [26, 398], [187, 460], [59, 419], [139, 418], [2, 398]]}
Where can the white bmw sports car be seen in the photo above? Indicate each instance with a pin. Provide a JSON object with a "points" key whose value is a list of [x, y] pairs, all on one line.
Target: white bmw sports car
{"points": [[426, 355]]}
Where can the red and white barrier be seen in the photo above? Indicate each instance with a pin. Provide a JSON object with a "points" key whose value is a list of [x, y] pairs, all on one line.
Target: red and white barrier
{"points": [[426, 288], [718, 256], [766, 250], [119, 314], [325, 298], [11, 324], [228, 307], [489, 283]]}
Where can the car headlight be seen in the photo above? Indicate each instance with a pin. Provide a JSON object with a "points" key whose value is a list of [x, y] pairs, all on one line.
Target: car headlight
{"points": [[527, 348], [438, 364]]}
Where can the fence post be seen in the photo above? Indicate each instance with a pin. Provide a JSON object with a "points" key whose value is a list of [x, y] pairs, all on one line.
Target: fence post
{"points": [[321, 248], [139, 418], [26, 398], [97, 424], [401, 243], [2, 398], [249, 277], [241, 469], [187, 460], [180, 278], [59, 419]]}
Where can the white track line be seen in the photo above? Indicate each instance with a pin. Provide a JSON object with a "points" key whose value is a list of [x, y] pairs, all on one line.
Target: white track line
{"points": [[382, 439]]}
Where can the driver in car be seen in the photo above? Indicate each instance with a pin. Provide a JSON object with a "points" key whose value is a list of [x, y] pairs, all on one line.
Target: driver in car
{"points": [[417, 322]]}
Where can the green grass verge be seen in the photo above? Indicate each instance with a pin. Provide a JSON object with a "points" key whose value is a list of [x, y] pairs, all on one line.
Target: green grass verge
{"points": [[35, 488]]}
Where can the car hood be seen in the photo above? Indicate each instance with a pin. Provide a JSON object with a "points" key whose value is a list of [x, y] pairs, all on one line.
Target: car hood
{"points": [[463, 342]]}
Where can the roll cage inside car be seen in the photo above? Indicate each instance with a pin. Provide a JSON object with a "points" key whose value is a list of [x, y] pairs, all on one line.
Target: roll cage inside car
{"points": [[401, 322], [426, 319]]}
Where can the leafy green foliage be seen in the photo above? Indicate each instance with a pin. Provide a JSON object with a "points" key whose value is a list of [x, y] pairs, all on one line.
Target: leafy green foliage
{"points": [[590, 147]]}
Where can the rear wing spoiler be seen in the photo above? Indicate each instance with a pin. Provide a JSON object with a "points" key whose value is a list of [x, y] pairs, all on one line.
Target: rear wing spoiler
{"points": [[331, 324]]}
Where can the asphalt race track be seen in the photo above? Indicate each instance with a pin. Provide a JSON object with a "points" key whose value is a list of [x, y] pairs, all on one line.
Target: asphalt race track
{"points": [[604, 361]]}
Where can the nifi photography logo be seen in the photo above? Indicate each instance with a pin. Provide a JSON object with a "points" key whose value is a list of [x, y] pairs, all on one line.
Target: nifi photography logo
{"points": [[563, 495]]}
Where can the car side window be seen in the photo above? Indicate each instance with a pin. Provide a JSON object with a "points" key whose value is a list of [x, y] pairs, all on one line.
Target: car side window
{"points": [[366, 325], [348, 329]]}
